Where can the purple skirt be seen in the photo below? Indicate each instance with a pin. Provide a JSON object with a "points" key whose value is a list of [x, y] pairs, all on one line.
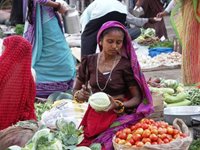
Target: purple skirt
{"points": [[45, 89]]}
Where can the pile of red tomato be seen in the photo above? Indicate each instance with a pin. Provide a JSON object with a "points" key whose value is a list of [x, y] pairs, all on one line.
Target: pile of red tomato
{"points": [[148, 131]]}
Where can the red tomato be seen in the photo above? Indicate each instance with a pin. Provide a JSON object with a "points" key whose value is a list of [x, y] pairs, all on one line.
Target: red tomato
{"points": [[170, 130], [166, 140], [129, 136], [118, 133], [153, 137], [138, 125], [176, 131], [117, 140], [163, 136], [145, 126], [154, 131], [153, 143], [146, 133], [139, 144], [121, 142], [183, 135], [176, 136], [162, 130], [122, 136], [127, 130], [145, 140], [137, 137], [160, 141], [133, 128], [139, 131], [131, 141]]}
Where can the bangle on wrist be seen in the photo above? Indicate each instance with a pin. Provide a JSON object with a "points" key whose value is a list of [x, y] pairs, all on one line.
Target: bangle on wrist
{"points": [[120, 108], [57, 8], [76, 97]]}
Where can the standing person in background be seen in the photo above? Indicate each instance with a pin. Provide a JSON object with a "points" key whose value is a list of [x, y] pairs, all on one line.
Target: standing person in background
{"points": [[185, 16], [17, 87], [101, 11], [151, 9], [97, 13], [51, 56], [16, 16]]}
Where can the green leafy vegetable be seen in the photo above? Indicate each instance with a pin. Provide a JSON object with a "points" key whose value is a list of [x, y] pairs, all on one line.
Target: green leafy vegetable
{"points": [[19, 29], [41, 108], [166, 43], [195, 145]]}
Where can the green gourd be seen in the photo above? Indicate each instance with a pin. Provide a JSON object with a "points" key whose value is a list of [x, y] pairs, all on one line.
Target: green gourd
{"points": [[174, 98], [182, 103]]}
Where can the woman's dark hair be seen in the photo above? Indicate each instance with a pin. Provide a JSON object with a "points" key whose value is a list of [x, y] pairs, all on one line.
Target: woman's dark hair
{"points": [[110, 30], [30, 11]]}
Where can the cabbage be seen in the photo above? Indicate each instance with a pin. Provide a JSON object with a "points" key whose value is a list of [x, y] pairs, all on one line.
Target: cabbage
{"points": [[43, 140]]}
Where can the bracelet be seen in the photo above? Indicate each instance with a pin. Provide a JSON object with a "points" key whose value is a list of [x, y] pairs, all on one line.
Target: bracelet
{"points": [[76, 97], [57, 8], [120, 108]]}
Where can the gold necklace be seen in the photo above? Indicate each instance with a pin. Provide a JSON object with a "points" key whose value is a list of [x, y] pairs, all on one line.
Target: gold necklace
{"points": [[97, 75]]}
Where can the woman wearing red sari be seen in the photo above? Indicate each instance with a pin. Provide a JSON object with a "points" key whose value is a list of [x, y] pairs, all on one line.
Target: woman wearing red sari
{"points": [[17, 87], [115, 71]]}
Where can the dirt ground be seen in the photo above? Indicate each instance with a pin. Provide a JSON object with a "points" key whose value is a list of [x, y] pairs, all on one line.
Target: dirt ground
{"points": [[166, 74]]}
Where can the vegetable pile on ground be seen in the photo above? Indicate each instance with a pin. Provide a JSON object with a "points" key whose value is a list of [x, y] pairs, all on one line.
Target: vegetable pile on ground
{"points": [[163, 59], [147, 37], [195, 145], [172, 91], [194, 96], [148, 131], [166, 43], [40, 108], [65, 137]]}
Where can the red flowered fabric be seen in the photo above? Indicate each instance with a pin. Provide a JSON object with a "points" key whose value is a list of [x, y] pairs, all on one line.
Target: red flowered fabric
{"points": [[17, 87]]}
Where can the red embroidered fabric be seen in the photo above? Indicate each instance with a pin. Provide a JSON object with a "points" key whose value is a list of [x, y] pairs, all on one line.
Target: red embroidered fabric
{"points": [[17, 87]]}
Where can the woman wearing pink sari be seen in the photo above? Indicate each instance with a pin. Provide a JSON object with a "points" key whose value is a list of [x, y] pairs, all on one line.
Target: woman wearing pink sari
{"points": [[121, 78]]}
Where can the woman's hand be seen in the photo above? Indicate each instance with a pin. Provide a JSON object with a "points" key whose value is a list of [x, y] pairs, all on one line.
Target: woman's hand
{"points": [[63, 9], [83, 94], [162, 14], [113, 105]]}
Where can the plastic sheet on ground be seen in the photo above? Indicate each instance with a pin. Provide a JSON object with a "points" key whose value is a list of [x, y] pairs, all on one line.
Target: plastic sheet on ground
{"points": [[69, 110]]}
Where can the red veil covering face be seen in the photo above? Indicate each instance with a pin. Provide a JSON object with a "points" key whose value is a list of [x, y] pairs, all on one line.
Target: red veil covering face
{"points": [[17, 87]]}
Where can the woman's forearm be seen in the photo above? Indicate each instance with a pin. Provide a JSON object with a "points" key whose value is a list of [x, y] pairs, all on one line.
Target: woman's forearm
{"points": [[133, 102]]}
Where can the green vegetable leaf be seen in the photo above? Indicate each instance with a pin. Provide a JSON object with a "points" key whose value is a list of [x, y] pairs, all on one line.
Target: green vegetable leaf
{"points": [[115, 124], [95, 146]]}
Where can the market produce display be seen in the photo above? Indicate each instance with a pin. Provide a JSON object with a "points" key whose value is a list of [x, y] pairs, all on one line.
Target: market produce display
{"points": [[148, 132], [172, 91], [164, 59], [65, 137], [147, 37]]}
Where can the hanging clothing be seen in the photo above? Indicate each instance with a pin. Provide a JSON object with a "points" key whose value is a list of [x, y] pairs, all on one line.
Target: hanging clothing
{"points": [[51, 57], [17, 87], [186, 22]]}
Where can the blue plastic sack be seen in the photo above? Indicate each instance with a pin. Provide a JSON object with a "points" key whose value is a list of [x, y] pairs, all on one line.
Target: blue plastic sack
{"points": [[158, 50]]}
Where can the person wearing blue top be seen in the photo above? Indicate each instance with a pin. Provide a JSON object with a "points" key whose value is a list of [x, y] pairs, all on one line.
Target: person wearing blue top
{"points": [[51, 55]]}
